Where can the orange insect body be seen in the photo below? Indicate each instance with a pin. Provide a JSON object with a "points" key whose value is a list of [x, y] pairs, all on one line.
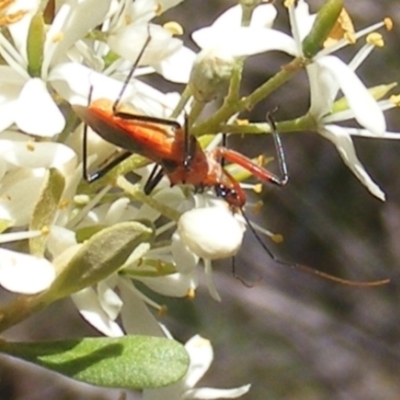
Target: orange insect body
{"points": [[165, 145]]}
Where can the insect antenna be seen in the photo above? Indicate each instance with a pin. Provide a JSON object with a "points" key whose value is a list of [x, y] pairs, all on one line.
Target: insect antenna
{"points": [[299, 267], [131, 72], [284, 174], [305, 268]]}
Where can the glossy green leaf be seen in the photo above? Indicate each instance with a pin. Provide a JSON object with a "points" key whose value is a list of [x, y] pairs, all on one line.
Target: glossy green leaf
{"points": [[132, 362]]}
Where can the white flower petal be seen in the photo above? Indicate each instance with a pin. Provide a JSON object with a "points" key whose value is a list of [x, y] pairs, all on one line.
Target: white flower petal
{"points": [[263, 16], [368, 134], [342, 140], [136, 317], [73, 82], [303, 19], [211, 233], [31, 154], [23, 273], [74, 19], [174, 285], [244, 41], [19, 31], [212, 289], [91, 310], [129, 41], [8, 111], [185, 259], [366, 109], [116, 211], [17, 236], [109, 300], [213, 394], [15, 205], [60, 239], [37, 112], [178, 66], [201, 356], [323, 90]]}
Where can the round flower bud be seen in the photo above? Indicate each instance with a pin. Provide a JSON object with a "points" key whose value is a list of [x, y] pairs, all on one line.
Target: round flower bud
{"points": [[211, 74], [211, 233]]}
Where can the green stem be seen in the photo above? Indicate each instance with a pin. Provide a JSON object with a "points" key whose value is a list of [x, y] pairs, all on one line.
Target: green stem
{"points": [[130, 164], [186, 94], [234, 86], [306, 122], [212, 125], [136, 193], [195, 112], [20, 309]]}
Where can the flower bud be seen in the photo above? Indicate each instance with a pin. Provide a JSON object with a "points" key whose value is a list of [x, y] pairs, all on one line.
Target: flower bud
{"points": [[323, 24], [211, 232], [211, 74]]}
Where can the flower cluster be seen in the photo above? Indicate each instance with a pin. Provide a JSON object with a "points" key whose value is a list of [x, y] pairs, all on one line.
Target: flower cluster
{"points": [[58, 60]]}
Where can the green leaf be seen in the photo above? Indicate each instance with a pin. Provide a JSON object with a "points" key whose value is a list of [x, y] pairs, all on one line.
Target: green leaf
{"points": [[45, 209], [132, 362], [103, 254]]}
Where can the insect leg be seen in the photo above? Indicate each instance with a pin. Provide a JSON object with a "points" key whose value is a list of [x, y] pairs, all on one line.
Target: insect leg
{"points": [[154, 179]]}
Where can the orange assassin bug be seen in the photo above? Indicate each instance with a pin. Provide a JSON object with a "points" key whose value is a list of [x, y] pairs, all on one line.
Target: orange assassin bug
{"points": [[179, 156]]}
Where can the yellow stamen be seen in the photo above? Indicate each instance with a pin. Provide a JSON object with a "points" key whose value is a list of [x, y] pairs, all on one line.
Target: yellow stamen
{"points": [[45, 230], [257, 207], [4, 4], [159, 9], [191, 294], [388, 23], [174, 28], [277, 238], [30, 146], [288, 3], [343, 29], [163, 310], [257, 188], [395, 99], [81, 199], [12, 18], [375, 39], [261, 160], [242, 122]]}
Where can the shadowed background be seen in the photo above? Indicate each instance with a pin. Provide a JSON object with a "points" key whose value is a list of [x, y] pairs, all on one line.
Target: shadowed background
{"points": [[292, 335]]}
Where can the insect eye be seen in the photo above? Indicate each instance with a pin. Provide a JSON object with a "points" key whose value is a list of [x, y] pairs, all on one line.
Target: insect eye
{"points": [[225, 192]]}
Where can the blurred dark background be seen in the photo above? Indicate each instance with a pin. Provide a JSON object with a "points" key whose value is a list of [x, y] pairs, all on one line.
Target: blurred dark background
{"points": [[292, 335]]}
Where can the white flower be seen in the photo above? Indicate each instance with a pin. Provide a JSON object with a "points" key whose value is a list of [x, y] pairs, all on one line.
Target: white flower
{"points": [[227, 34], [327, 75], [117, 295], [210, 231], [201, 356], [26, 100], [24, 273], [130, 28]]}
